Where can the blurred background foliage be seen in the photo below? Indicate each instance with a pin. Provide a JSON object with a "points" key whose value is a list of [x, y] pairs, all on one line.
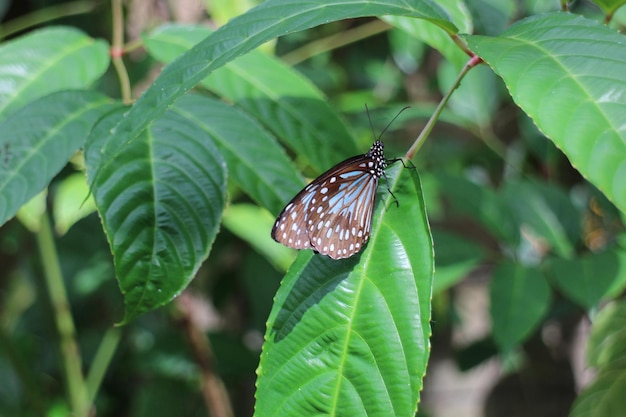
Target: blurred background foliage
{"points": [[495, 189]]}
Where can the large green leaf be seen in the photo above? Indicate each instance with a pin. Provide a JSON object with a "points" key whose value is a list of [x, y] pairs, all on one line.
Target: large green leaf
{"points": [[519, 299], [69, 204], [546, 212], [161, 201], [246, 32], [588, 279], [285, 102], [607, 343], [38, 140], [567, 73], [255, 160], [606, 351], [433, 35], [48, 60], [350, 337], [456, 257], [476, 99], [605, 397], [619, 283], [482, 203], [492, 16], [251, 223], [610, 6]]}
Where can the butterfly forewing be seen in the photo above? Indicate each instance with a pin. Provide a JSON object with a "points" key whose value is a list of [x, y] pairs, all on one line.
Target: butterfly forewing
{"points": [[333, 214], [346, 227]]}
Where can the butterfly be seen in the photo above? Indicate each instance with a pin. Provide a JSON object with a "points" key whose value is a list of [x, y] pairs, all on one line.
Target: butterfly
{"points": [[333, 214]]}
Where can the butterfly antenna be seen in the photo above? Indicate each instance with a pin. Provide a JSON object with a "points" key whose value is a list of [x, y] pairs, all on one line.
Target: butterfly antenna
{"points": [[389, 124], [370, 119]]}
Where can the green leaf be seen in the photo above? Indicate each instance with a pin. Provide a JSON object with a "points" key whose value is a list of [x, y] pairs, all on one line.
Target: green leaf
{"points": [[588, 279], [476, 99], [547, 211], [407, 53], [482, 203], [286, 103], [160, 200], [222, 11], [48, 60], [251, 224], [456, 257], [255, 160], [609, 6], [31, 212], [607, 343], [43, 136], [566, 73], [72, 202], [475, 353], [605, 397], [436, 36], [246, 32], [492, 16], [619, 283], [532, 7], [350, 337], [520, 298]]}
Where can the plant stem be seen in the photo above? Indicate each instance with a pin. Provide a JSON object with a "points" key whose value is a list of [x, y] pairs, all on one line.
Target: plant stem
{"points": [[213, 390], [419, 141], [70, 354], [117, 50], [101, 361], [335, 41], [45, 15]]}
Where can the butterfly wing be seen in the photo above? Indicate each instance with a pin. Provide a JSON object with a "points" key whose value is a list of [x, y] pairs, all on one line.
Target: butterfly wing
{"points": [[333, 213], [346, 226], [290, 226]]}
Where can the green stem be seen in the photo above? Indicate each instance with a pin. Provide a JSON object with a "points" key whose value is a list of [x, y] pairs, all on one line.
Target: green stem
{"points": [[435, 116], [335, 41], [70, 355], [45, 15], [117, 50], [101, 361]]}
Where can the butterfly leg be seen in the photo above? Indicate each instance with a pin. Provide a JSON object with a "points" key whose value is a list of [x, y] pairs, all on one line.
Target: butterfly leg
{"points": [[394, 160], [389, 189]]}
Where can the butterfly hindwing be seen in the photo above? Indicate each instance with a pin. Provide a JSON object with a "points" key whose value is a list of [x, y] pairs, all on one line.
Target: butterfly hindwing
{"points": [[348, 205]]}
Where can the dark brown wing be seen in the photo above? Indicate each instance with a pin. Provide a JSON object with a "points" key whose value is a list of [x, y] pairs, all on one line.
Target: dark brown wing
{"points": [[332, 214]]}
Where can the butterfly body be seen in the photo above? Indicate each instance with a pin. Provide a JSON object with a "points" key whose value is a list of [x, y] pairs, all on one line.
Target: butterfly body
{"points": [[333, 214]]}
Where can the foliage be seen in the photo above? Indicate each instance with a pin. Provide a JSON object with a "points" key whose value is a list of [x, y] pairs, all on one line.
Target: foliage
{"points": [[186, 184]]}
